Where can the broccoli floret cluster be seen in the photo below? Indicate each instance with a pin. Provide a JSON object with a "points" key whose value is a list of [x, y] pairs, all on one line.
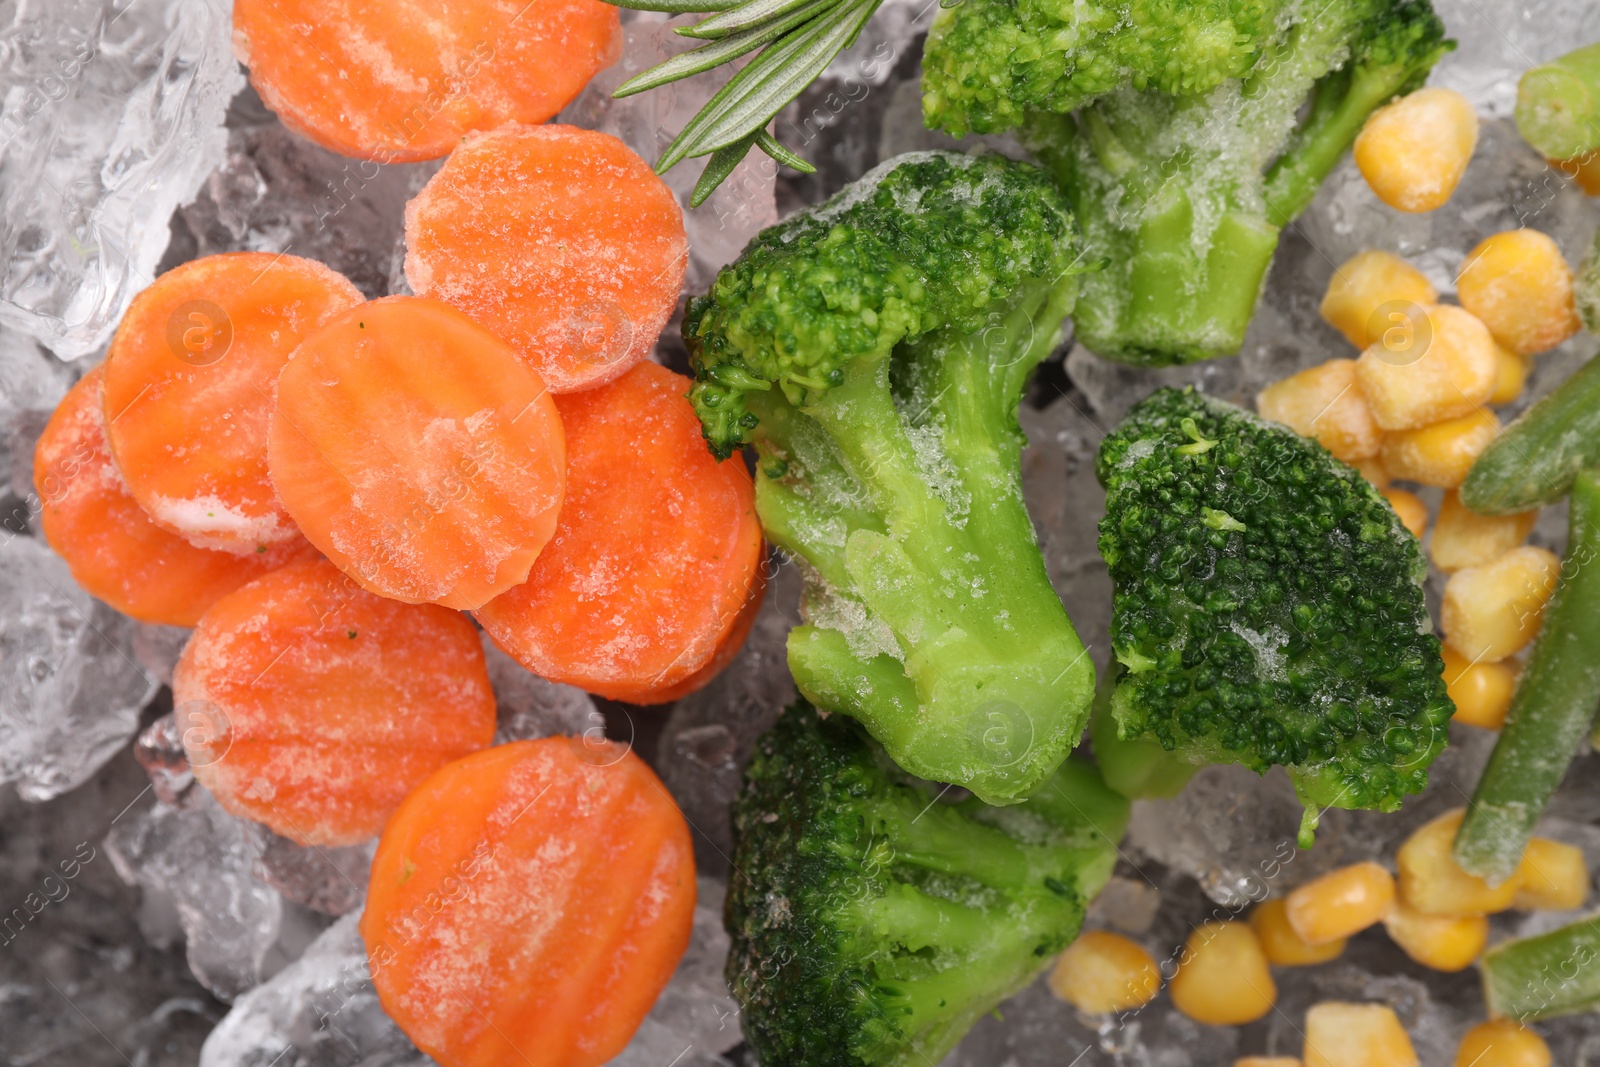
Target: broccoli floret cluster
{"points": [[872, 923], [1268, 606]]}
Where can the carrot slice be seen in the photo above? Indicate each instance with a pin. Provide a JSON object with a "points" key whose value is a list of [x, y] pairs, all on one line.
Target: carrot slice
{"points": [[402, 80], [528, 903], [729, 648], [114, 550], [309, 704], [655, 554], [188, 388], [560, 240]]}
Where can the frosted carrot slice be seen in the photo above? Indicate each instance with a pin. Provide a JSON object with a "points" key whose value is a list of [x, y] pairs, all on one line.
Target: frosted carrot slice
{"points": [[726, 651], [309, 704], [560, 240], [528, 903], [654, 556], [418, 452], [188, 388], [113, 548], [398, 80]]}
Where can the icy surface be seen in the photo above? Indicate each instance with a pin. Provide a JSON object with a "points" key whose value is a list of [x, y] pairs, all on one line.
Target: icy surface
{"points": [[112, 115], [531, 707], [326, 879]]}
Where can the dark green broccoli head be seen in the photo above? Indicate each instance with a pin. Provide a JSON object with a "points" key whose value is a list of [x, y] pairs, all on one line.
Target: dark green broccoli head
{"points": [[1268, 606], [871, 923]]}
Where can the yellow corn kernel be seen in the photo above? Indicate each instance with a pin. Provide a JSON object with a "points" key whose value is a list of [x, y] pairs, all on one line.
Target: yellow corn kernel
{"points": [[1356, 1035], [1584, 171], [1268, 1061], [1502, 1043], [1284, 947], [1223, 978], [1340, 903], [1494, 611], [1443, 453], [1366, 282], [1414, 151], [1323, 402], [1520, 286], [1511, 374], [1481, 692], [1105, 972], [1435, 362], [1552, 877], [1463, 538], [1373, 471], [1443, 942], [1432, 883], [1412, 511]]}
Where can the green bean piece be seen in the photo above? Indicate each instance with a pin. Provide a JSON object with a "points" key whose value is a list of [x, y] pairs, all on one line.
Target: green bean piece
{"points": [[1539, 977], [1535, 460]]}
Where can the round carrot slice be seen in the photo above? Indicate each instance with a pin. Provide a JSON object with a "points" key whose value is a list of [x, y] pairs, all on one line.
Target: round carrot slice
{"points": [[309, 704], [528, 903], [654, 556], [402, 80], [114, 550], [188, 388], [560, 240], [729, 648]]}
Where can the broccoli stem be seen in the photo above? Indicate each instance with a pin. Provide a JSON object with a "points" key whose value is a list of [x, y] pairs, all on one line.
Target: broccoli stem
{"points": [[1552, 710], [1558, 105], [1545, 976], [1136, 767]]}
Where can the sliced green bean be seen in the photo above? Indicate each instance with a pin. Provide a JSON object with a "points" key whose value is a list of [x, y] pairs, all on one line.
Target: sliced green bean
{"points": [[1539, 977], [1535, 460]]}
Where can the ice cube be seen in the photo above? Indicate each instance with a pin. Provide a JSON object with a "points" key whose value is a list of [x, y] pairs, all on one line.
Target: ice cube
{"points": [[530, 706], [31, 384], [157, 648], [72, 689], [112, 116], [327, 879], [159, 750]]}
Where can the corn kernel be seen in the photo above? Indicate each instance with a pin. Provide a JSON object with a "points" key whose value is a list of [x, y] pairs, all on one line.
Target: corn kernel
{"points": [[1463, 538], [1223, 978], [1414, 151], [1356, 1035], [1412, 511], [1340, 903], [1373, 471], [1435, 362], [1284, 947], [1105, 972], [1502, 1043], [1364, 283], [1443, 453], [1432, 883], [1494, 611], [1551, 877], [1443, 942], [1584, 171], [1323, 402], [1520, 286], [1268, 1061], [1511, 374], [1481, 692]]}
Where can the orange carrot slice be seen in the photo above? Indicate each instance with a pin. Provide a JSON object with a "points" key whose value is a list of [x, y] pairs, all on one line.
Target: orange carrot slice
{"points": [[418, 452], [528, 903], [188, 388], [399, 80], [309, 704], [114, 550], [560, 240], [655, 554], [726, 651]]}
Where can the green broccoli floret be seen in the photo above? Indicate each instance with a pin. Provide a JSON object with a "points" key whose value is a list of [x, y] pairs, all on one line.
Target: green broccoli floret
{"points": [[872, 923], [873, 350], [1268, 607]]}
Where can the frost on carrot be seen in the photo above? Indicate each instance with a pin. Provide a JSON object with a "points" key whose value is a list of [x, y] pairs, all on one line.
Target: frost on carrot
{"points": [[655, 555], [188, 389], [528, 903], [401, 80], [560, 240], [725, 654], [418, 452], [313, 706], [114, 550]]}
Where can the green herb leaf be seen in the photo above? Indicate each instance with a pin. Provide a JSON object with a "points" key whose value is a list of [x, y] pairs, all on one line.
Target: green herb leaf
{"points": [[676, 7], [782, 153], [721, 164], [743, 17], [719, 52]]}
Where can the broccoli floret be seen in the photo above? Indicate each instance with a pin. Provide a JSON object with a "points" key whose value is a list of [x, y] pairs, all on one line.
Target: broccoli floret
{"points": [[1268, 606], [873, 351], [872, 923]]}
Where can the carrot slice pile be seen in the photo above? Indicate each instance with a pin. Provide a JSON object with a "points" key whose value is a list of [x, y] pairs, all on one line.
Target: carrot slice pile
{"points": [[188, 389], [727, 649], [400, 80], [418, 452], [656, 553], [560, 240], [114, 550], [528, 903], [313, 706]]}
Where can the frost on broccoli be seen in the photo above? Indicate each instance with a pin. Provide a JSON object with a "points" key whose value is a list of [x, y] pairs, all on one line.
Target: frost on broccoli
{"points": [[873, 351], [1268, 606], [873, 924]]}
